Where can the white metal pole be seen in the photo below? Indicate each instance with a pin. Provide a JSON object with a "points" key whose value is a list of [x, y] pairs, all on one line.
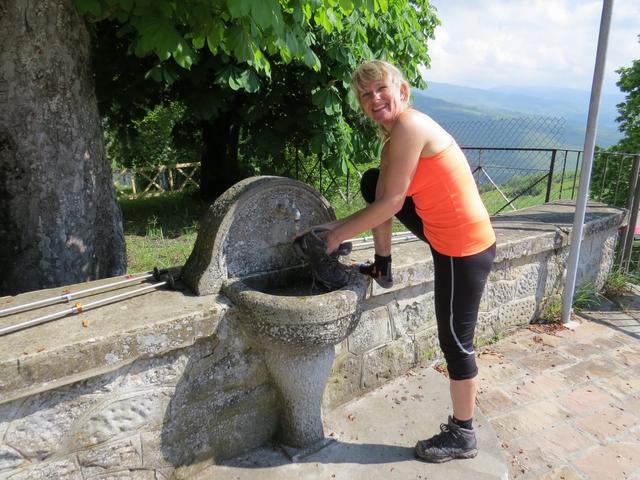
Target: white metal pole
{"points": [[78, 308], [67, 297], [587, 161]]}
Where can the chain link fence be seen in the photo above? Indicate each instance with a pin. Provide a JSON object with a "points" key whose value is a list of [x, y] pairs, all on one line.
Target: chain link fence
{"points": [[517, 162]]}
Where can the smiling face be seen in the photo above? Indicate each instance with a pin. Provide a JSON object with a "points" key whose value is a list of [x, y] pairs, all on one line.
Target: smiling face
{"points": [[383, 101]]}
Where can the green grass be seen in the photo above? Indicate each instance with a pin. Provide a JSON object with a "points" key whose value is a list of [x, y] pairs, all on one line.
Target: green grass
{"points": [[160, 231], [586, 296], [479, 342], [494, 201], [617, 283]]}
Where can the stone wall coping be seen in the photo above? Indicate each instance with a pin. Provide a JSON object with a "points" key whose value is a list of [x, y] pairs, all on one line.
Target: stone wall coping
{"points": [[101, 340], [104, 339]]}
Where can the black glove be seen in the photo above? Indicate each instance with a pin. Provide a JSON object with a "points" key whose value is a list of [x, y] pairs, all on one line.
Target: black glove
{"points": [[379, 270]]}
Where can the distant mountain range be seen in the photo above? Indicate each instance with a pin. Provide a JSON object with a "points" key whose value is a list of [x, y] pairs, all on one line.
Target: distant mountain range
{"points": [[463, 107]]}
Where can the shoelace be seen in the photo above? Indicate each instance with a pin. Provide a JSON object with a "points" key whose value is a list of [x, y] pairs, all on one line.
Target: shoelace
{"points": [[440, 440]]}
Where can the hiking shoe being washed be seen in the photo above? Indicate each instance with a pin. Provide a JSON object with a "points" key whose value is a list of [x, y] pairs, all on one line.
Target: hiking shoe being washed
{"points": [[325, 269], [452, 442]]}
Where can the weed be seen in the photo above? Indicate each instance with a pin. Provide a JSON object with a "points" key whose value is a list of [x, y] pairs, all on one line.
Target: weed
{"points": [[552, 313], [617, 283], [428, 355], [586, 296], [480, 342], [153, 231]]}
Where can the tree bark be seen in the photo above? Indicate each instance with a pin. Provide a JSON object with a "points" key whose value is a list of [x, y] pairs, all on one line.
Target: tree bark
{"points": [[59, 219], [219, 167]]}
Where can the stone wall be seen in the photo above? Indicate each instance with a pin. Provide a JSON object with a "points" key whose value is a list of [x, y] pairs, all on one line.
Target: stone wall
{"points": [[139, 388], [398, 327], [144, 418]]}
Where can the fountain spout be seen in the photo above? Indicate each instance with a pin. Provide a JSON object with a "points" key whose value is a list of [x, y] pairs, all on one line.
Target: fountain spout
{"points": [[289, 210]]}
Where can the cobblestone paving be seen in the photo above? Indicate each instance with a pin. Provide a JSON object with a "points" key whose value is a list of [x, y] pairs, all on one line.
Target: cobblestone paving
{"points": [[565, 403]]}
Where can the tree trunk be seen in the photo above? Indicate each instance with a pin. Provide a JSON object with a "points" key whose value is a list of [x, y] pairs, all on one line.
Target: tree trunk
{"points": [[219, 160], [59, 219]]}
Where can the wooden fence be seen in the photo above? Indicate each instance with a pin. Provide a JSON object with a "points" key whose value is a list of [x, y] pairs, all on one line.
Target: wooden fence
{"points": [[158, 180]]}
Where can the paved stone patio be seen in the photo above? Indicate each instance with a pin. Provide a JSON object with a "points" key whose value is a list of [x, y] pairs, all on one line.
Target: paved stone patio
{"points": [[564, 403]]}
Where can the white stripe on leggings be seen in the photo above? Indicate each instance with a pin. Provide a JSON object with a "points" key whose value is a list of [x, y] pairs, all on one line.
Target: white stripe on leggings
{"points": [[453, 332]]}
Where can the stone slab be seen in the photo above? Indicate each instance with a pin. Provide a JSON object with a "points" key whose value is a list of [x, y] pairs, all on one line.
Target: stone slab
{"points": [[99, 340], [375, 437]]}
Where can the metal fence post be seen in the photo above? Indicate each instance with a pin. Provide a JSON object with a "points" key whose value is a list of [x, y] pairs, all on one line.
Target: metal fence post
{"points": [[575, 176], [632, 206], [550, 179], [564, 169]]}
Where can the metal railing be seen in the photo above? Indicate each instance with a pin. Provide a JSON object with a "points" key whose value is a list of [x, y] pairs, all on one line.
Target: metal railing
{"points": [[555, 175], [507, 177]]}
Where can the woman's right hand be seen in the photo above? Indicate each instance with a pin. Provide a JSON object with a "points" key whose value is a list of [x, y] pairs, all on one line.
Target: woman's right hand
{"points": [[323, 226]]}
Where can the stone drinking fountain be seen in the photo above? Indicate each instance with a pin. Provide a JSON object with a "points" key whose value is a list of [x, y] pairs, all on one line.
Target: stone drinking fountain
{"points": [[244, 250]]}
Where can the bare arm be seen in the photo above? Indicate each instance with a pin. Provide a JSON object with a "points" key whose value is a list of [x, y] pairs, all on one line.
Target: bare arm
{"points": [[399, 162]]}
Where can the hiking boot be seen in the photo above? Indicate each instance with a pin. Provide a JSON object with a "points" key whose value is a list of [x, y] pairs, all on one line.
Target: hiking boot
{"points": [[329, 272], [326, 269], [379, 270], [452, 442]]}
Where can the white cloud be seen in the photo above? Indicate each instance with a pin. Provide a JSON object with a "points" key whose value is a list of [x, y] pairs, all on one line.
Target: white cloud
{"points": [[530, 42]]}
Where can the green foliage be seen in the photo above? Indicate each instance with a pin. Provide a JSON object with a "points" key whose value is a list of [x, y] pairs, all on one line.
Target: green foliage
{"points": [[144, 253], [629, 110], [552, 313], [149, 140], [160, 231], [610, 177], [629, 125], [277, 71], [586, 296], [524, 183], [173, 214], [617, 283], [428, 355], [479, 342], [529, 195]]}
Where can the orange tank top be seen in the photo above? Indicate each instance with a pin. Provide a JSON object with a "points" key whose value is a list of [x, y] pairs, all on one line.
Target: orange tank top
{"points": [[455, 220]]}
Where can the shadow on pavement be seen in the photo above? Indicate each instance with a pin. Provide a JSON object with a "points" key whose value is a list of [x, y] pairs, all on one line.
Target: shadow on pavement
{"points": [[338, 452]]}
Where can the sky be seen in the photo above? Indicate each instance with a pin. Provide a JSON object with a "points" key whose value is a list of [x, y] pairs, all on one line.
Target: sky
{"points": [[491, 43]]}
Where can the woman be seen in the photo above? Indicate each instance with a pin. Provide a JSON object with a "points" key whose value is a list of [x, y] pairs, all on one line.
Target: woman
{"points": [[425, 180]]}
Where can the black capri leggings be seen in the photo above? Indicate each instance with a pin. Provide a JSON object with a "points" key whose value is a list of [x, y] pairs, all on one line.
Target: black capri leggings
{"points": [[458, 286]]}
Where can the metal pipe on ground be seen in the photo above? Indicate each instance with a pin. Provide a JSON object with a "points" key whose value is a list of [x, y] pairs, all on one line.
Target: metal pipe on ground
{"points": [[67, 297], [79, 308]]}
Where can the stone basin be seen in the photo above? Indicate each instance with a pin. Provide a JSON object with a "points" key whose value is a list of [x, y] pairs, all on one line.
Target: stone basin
{"points": [[286, 311]]}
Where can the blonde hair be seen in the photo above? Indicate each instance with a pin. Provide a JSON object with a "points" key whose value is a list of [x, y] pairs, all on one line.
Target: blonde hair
{"points": [[374, 71]]}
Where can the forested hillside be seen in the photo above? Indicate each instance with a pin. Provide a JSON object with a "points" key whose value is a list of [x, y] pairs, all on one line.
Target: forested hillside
{"points": [[451, 103]]}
